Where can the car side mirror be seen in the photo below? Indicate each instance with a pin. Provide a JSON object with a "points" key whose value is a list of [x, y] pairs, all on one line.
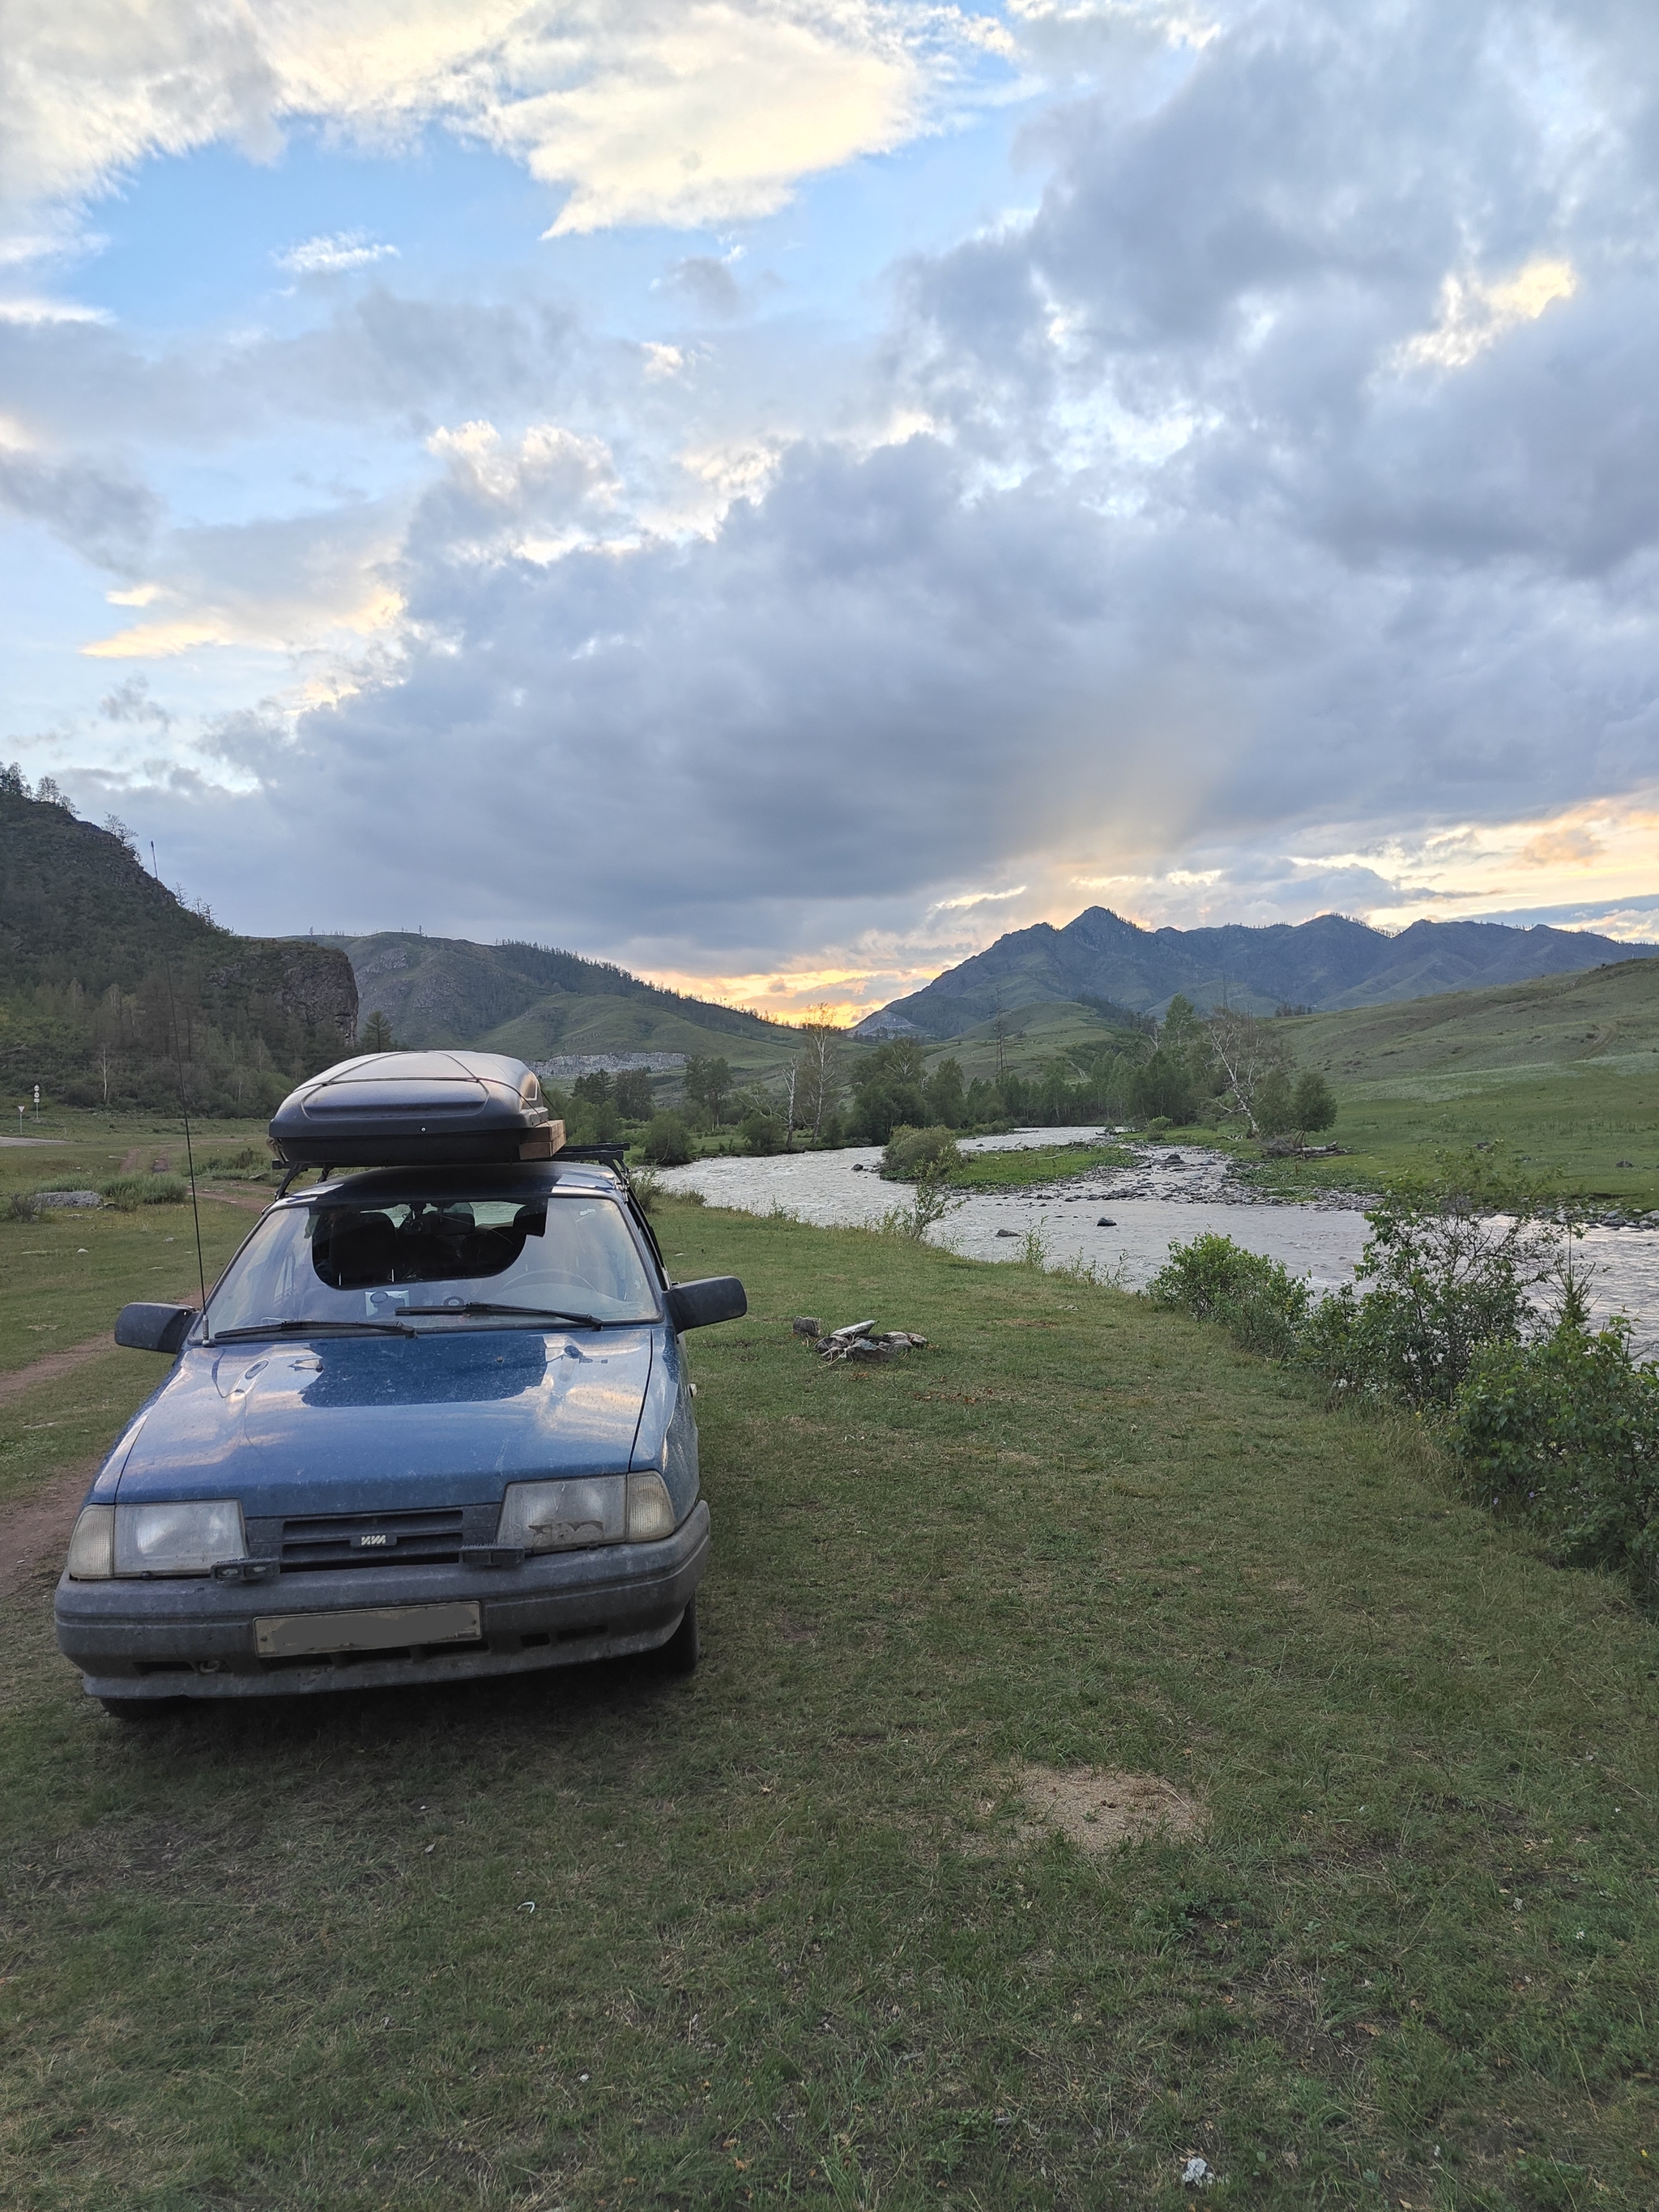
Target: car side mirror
{"points": [[153, 1328], [717, 1298]]}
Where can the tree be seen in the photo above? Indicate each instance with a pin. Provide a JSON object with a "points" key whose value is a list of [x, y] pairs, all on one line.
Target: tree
{"points": [[947, 1102], [632, 1094], [887, 1090], [1181, 1030], [596, 1089], [667, 1141], [1275, 1104], [819, 1077], [1163, 1089], [377, 1034], [707, 1084], [1247, 1053], [1314, 1106]]}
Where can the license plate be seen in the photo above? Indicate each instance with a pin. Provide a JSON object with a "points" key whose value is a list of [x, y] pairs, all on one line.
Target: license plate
{"points": [[369, 1628]]}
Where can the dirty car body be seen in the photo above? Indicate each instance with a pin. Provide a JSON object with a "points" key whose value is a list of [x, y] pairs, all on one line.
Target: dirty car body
{"points": [[434, 1423]]}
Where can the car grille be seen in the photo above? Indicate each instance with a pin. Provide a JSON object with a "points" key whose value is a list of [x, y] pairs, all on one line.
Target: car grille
{"points": [[372, 1540]]}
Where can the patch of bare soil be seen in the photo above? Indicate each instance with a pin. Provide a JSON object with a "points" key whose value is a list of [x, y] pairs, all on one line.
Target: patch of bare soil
{"points": [[52, 1366], [39, 1532], [1099, 1808]]}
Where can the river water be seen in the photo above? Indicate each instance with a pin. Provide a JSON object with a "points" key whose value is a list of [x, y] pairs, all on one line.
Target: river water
{"points": [[1123, 1221]]}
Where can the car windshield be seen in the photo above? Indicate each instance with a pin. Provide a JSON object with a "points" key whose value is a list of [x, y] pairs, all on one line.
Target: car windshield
{"points": [[424, 1262]]}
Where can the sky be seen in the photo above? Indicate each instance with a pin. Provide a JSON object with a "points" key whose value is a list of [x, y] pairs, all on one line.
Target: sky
{"points": [[778, 492]]}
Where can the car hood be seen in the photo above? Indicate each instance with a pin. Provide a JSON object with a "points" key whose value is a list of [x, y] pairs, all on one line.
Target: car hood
{"points": [[363, 1424]]}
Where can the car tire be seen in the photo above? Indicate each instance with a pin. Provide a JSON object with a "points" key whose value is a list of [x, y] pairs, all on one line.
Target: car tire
{"points": [[680, 1655], [143, 1712]]}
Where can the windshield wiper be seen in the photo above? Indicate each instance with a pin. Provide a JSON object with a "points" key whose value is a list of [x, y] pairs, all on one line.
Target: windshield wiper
{"points": [[289, 1328], [528, 1313]]}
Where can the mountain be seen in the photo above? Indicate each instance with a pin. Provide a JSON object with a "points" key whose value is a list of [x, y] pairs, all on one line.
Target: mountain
{"points": [[1327, 964], [533, 1002], [108, 982]]}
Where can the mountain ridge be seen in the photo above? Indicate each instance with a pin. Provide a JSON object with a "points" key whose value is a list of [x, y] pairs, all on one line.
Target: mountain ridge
{"points": [[535, 1001], [1327, 964]]}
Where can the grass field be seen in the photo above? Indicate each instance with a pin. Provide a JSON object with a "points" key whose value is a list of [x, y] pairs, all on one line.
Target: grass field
{"points": [[1036, 1163], [799, 1936], [1563, 1070]]}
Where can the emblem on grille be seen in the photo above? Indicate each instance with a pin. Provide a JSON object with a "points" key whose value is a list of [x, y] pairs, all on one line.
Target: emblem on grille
{"points": [[378, 1541]]}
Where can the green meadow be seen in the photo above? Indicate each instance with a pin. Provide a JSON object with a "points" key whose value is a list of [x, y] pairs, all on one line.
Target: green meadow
{"points": [[799, 1930]]}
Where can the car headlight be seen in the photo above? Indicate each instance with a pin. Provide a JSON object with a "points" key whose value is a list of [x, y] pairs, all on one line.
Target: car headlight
{"points": [[566, 1516], [650, 1508], [92, 1547], [187, 1538]]}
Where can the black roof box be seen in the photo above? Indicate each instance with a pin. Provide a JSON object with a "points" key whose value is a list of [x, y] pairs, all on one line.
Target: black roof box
{"points": [[407, 1109]]}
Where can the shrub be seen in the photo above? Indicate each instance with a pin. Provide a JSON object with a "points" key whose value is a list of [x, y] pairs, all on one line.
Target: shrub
{"points": [[910, 1151], [667, 1141], [1444, 1282], [760, 1133], [931, 1199], [1566, 1432], [1313, 1105], [248, 1164], [1261, 1304], [127, 1193]]}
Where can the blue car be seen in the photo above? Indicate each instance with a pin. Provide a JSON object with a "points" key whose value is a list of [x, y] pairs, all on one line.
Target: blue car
{"points": [[433, 1422]]}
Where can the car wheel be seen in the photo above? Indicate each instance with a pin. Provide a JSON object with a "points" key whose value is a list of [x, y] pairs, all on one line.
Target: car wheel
{"points": [[679, 1656], [143, 1712]]}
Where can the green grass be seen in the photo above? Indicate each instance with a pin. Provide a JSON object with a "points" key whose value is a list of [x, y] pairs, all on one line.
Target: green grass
{"points": [[66, 1274], [790, 1945], [1041, 1164], [1561, 1070]]}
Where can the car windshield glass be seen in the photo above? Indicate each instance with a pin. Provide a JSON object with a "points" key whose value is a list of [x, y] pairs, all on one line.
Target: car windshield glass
{"points": [[378, 1259]]}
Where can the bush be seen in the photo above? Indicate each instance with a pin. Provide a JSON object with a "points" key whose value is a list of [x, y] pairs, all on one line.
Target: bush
{"points": [[1566, 1432], [248, 1164], [760, 1133], [127, 1193], [667, 1141], [1259, 1302], [910, 1151], [1444, 1283]]}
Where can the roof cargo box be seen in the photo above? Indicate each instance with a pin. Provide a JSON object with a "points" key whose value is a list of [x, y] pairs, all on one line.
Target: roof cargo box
{"points": [[405, 1109]]}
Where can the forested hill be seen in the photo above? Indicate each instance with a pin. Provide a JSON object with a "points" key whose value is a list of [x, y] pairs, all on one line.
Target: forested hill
{"points": [[87, 936], [1323, 965], [533, 1001]]}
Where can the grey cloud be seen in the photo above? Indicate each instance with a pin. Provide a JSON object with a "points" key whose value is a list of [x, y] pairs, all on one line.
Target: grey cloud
{"points": [[871, 682], [708, 283], [1347, 594], [380, 356], [130, 702], [99, 508]]}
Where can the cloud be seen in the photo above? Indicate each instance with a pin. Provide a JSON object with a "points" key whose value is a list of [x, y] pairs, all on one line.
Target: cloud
{"points": [[130, 702], [310, 582], [99, 507], [1475, 315], [1566, 848], [29, 313], [667, 111], [1140, 558], [707, 282], [333, 255]]}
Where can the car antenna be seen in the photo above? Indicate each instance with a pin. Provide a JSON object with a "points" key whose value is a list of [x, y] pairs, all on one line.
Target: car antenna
{"points": [[189, 1154]]}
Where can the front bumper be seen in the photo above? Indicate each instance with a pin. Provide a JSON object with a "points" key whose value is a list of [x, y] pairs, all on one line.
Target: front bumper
{"points": [[196, 1638]]}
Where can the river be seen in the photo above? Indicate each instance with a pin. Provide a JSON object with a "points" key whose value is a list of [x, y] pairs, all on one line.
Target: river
{"points": [[1123, 1221]]}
